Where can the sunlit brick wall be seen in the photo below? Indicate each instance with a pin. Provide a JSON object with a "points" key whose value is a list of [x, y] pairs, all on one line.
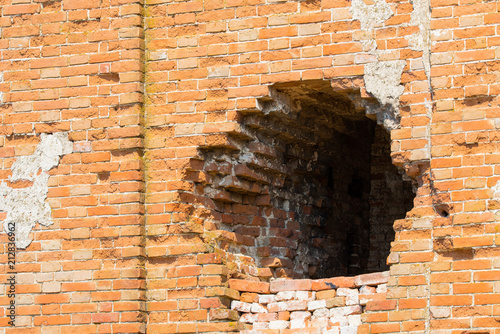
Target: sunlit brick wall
{"points": [[146, 91]]}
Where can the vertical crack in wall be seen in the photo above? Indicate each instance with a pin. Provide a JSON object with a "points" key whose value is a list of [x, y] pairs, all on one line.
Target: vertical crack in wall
{"points": [[26, 206], [1, 93], [383, 77], [421, 41]]}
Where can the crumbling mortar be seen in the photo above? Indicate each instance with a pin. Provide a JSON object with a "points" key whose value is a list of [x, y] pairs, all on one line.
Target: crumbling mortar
{"points": [[382, 78]]}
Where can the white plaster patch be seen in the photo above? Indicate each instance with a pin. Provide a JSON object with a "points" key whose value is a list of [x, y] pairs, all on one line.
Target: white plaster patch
{"points": [[26, 206], [370, 16], [382, 80]]}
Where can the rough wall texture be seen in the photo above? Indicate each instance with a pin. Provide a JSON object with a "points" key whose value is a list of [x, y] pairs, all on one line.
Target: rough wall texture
{"points": [[163, 158]]}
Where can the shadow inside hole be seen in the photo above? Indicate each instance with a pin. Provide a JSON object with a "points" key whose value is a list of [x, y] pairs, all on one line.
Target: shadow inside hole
{"points": [[442, 209]]}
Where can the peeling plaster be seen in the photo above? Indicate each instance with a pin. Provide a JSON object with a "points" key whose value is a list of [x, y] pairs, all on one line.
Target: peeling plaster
{"points": [[382, 80], [370, 16], [27, 206]]}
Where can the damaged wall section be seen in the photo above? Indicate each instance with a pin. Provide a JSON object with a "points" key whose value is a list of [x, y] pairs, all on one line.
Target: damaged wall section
{"points": [[26, 206], [307, 186]]}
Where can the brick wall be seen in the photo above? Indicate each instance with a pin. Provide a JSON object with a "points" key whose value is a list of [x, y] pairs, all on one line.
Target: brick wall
{"points": [[74, 67], [184, 151]]}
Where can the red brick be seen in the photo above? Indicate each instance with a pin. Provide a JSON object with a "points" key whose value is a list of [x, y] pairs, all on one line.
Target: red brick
{"points": [[249, 286], [333, 283], [372, 279], [290, 285], [451, 300], [382, 305], [159, 112]]}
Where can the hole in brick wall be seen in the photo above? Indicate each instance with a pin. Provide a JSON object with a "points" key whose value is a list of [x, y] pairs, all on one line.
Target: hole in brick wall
{"points": [[103, 176], [442, 211], [307, 186]]}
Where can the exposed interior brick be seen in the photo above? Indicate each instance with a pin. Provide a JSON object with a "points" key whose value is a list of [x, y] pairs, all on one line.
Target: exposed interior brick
{"points": [[307, 185]]}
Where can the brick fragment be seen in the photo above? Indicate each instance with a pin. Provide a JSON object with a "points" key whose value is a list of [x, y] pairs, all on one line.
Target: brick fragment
{"points": [[266, 317], [367, 289], [382, 305], [335, 302], [316, 304], [351, 295], [249, 318], [266, 299], [300, 315], [372, 279], [279, 324], [222, 314], [344, 311], [292, 305], [326, 294], [290, 285], [241, 306], [249, 297], [258, 308], [332, 283], [321, 313], [285, 295], [249, 286]]}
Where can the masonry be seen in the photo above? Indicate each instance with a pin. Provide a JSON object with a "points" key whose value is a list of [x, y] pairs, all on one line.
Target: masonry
{"points": [[258, 166]]}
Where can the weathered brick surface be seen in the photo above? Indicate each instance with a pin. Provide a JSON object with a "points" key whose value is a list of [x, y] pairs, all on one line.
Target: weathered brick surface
{"points": [[307, 309], [180, 196], [70, 66]]}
